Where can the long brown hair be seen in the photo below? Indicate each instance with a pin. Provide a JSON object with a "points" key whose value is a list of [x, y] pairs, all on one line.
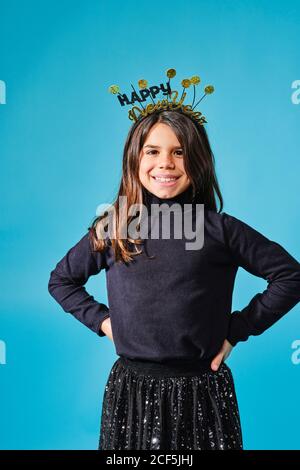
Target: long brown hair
{"points": [[199, 165]]}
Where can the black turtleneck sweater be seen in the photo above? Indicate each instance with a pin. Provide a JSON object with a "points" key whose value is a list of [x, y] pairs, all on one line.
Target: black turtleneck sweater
{"points": [[178, 305]]}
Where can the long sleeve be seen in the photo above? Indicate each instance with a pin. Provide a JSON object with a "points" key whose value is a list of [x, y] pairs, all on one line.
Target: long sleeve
{"points": [[66, 284], [267, 259]]}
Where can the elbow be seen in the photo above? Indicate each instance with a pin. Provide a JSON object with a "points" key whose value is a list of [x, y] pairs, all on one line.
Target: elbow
{"points": [[51, 283], [54, 281], [297, 277], [295, 280]]}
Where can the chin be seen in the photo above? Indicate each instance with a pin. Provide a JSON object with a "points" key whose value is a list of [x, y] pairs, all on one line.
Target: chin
{"points": [[167, 193]]}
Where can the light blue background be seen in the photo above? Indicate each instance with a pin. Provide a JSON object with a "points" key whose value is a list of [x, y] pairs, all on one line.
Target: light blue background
{"points": [[61, 141]]}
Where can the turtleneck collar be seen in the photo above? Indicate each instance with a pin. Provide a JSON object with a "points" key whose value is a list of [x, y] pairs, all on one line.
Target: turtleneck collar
{"points": [[185, 197]]}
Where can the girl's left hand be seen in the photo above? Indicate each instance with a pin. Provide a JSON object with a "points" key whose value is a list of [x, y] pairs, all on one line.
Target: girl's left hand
{"points": [[106, 328], [222, 355]]}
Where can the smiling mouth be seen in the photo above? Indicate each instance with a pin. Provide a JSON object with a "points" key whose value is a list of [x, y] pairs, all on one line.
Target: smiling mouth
{"points": [[161, 179]]}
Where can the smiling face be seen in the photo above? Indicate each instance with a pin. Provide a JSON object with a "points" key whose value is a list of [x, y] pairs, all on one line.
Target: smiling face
{"points": [[161, 168]]}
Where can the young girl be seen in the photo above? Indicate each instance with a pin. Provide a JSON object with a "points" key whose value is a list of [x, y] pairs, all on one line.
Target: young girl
{"points": [[169, 309]]}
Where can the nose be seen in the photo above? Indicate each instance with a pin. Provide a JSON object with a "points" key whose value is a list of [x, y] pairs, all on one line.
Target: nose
{"points": [[166, 160]]}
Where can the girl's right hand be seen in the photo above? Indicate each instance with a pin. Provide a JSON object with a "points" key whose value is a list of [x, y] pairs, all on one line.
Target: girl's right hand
{"points": [[222, 355], [106, 328]]}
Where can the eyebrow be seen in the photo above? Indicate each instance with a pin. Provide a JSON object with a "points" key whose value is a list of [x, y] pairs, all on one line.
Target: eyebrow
{"points": [[158, 147]]}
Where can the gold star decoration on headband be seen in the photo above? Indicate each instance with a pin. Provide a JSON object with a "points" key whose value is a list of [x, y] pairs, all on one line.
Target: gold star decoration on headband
{"points": [[136, 113]]}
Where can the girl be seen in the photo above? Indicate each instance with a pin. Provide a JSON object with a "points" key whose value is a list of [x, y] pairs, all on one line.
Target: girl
{"points": [[169, 309]]}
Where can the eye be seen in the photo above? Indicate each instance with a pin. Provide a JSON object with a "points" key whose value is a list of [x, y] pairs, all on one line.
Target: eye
{"points": [[151, 152]]}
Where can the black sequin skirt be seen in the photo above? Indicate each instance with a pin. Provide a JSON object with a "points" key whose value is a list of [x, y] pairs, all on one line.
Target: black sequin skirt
{"points": [[149, 405]]}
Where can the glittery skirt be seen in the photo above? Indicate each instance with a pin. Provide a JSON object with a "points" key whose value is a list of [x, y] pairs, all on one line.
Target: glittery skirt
{"points": [[149, 405]]}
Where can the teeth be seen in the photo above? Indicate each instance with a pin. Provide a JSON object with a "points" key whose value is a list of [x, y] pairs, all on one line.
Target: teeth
{"points": [[165, 179]]}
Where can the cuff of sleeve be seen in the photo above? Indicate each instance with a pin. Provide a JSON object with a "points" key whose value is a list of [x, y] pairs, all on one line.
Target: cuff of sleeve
{"points": [[102, 318], [238, 329]]}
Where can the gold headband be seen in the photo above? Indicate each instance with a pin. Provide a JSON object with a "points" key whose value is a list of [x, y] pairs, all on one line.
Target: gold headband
{"points": [[171, 104]]}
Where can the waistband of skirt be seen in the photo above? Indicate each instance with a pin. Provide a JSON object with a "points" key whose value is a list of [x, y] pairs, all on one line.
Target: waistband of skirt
{"points": [[180, 367]]}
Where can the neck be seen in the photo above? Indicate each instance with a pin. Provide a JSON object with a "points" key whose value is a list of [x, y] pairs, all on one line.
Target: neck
{"points": [[185, 197]]}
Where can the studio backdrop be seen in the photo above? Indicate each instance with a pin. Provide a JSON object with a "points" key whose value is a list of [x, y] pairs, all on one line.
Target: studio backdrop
{"points": [[61, 141]]}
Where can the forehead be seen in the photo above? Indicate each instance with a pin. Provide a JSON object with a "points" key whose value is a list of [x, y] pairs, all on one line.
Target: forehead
{"points": [[161, 135]]}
